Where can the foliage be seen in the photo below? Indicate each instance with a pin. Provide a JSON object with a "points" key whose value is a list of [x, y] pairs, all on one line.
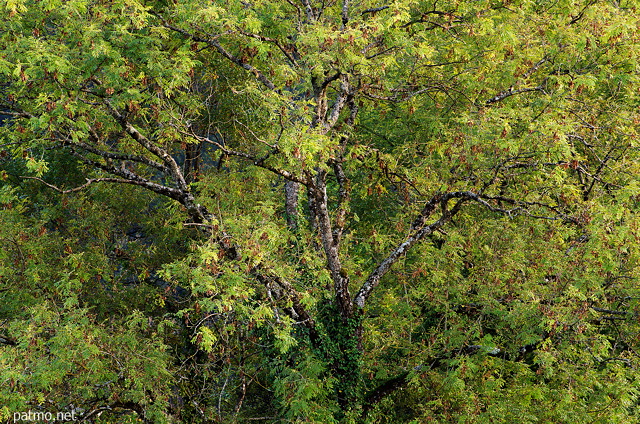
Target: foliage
{"points": [[301, 211]]}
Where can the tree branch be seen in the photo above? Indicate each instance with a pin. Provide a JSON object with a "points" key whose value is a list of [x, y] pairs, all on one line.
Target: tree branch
{"points": [[259, 162], [339, 277], [421, 231], [265, 277], [511, 92], [345, 14], [7, 341], [88, 183], [374, 278], [343, 199], [197, 212], [270, 40], [215, 44], [374, 10], [309, 10], [581, 13], [340, 102], [169, 161], [116, 156], [595, 177]]}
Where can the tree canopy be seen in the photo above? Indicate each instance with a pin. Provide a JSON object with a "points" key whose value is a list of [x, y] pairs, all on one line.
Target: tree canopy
{"points": [[320, 211]]}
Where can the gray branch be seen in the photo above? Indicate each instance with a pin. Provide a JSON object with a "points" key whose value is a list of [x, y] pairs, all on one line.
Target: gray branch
{"points": [[169, 161], [339, 277], [259, 162], [421, 231], [374, 278], [117, 156], [511, 92], [216, 45]]}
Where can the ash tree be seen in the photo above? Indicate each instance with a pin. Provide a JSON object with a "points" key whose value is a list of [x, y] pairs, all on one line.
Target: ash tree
{"points": [[382, 212]]}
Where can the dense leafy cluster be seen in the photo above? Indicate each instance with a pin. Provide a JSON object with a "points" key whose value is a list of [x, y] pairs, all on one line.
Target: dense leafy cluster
{"points": [[320, 211]]}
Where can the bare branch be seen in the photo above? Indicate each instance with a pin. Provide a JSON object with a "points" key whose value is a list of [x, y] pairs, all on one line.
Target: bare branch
{"points": [[343, 199], [259, 162], [424, 19], [581, 13], [511, 92], [421, 231], [115, 156], [270, 40], [17, 114], [309, 10], [87, 184], [425, 213], [380, 53], [328, 80], [339, 104], [295, 6], [170, 162], [345, 13], [339, 277], [7, 340], [521, 207], [215, 44], [374, 10], [374, 278], [404, 94], [196, 211], [595, 177], [535, 67], [344, 190], [610, 311], [266, 277], [196, 224]]}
